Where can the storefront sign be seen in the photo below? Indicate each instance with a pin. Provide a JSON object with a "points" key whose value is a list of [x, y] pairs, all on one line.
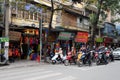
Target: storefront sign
{"points": [[108, 40], [99, 39], [51, 38], [13, 35], [64, 36], [81, 37], [4, 39]]}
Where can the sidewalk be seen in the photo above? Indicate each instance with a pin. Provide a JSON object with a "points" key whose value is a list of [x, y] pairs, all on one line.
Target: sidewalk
{"points": [[22, 63]]}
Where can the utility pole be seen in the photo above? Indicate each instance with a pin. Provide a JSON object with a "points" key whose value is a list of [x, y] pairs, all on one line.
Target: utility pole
{"points": [[6, 17], [40, 34], [6, 25]]}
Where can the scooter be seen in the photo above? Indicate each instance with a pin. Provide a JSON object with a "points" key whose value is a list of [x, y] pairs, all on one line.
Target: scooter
{"points": [[109, 56], [101, 58], [69, 59], [80, 58], [58, 59], [84, 58]]}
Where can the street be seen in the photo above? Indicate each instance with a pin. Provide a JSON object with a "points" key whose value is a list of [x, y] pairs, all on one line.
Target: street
{"points": [[45, 71]]}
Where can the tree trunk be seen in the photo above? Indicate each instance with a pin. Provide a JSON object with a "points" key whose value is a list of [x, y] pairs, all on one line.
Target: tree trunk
{"points": [[51, 18], [96, 22]]}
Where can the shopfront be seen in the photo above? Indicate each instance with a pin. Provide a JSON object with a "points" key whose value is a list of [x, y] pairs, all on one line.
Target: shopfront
{"points": [[66, 41], [29, 43], [99, 41], [80, 39], [108, 41]]}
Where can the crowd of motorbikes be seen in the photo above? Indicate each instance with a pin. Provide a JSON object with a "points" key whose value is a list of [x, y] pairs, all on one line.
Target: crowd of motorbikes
{"points": [[98, 56]]}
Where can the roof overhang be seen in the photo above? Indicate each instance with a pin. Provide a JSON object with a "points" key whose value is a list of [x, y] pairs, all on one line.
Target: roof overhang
{"points": [[43, 2]]}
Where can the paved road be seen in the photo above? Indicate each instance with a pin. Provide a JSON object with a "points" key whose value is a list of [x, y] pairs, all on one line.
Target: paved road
{"points": [[60, 72]]}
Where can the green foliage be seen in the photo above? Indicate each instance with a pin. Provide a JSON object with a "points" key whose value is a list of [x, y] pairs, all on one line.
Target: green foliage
{"points": [[112, 5], [92, 18]]}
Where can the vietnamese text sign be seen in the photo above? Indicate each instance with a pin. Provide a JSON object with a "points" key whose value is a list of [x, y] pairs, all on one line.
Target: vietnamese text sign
{"points": [[13, 35], [81, 37], [64, 36]]}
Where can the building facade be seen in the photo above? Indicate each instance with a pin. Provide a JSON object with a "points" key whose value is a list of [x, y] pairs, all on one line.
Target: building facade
{"points": [[24, 25]]}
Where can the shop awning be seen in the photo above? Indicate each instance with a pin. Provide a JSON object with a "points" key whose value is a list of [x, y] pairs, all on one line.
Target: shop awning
{"points": [[64, 36]]}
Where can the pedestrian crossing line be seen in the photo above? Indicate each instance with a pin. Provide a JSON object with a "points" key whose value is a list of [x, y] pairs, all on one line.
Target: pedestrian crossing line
{"points": [[84, 68], [67, 78], [27, 75], [12, 73], [87, 68], [17, 69], [44, 76]]}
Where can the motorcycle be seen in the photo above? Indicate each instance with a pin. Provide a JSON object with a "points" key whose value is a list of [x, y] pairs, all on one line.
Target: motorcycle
{"points": [[69, 59], [84, 58], [101, 58], [93, 56], [109, 56], [58, 58]]}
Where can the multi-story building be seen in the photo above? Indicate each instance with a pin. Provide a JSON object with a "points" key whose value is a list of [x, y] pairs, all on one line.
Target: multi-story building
{"points": [[24, 23]]}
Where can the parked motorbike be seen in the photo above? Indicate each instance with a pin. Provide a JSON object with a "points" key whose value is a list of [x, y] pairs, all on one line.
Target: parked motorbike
{"points": [[83, 59], [93, 56], [109, 56], [69, 59], [101, 58]]}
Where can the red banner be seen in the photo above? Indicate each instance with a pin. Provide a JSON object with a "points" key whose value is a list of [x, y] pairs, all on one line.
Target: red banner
{"points": [[81, 37]]}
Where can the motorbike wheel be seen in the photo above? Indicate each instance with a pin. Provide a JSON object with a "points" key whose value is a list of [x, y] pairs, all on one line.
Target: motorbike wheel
{"points": [[53, 62], [66, 62], [79, 63], [111, 58], [3, 61], [97, 61], [90, 62]]}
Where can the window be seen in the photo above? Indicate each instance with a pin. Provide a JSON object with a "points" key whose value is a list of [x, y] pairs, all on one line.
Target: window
{"points": [[86, 22], [31, 15], [35, 16], [20, 14], [26, 15], [79, 22]]}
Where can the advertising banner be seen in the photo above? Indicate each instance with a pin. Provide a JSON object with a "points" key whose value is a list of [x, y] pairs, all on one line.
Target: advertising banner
{"points": [[81, 37], [99, 39], [13, 35], [64, 36]]}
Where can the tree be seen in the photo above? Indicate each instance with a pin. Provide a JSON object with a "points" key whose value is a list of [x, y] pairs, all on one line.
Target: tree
{"points": [[102, 6]]}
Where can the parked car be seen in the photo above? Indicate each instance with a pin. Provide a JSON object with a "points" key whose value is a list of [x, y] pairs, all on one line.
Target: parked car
{"points": [[116, 53]]}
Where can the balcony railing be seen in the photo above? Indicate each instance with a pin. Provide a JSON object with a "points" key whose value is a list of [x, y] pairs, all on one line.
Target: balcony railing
{"points": [[75, 24]]}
